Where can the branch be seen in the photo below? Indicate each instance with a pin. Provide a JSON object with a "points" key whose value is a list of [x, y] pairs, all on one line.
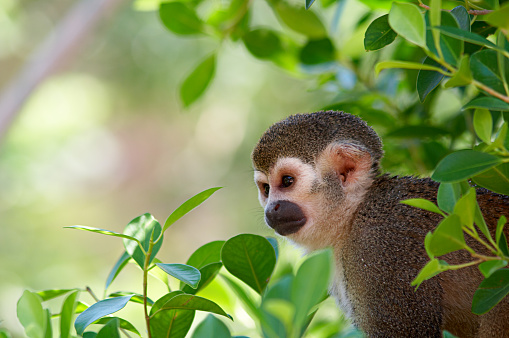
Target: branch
{"points": [[58, 49]]}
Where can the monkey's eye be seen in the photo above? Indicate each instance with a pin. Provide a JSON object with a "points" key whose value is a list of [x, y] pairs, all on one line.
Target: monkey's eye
{"points": [[266, 189], [287, 181]]}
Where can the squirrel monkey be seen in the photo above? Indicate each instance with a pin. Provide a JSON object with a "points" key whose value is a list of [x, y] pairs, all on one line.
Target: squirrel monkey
{"points": [[319, 181]]}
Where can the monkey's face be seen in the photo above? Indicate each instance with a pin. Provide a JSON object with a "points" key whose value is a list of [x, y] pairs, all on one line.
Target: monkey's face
{"points": [[311, 203]]}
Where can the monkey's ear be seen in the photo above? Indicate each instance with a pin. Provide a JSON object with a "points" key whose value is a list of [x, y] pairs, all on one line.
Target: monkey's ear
{"points": [[352, 163]]}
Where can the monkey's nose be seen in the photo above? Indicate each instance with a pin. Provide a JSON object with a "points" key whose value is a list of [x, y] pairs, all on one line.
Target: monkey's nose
{"points": [[285, 217]]}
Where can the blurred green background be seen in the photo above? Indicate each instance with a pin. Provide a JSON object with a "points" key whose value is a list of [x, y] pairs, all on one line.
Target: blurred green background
{"points": [[106, 139]]}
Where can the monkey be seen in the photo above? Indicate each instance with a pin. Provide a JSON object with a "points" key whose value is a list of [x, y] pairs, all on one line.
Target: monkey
{"points": [[320, 183]]}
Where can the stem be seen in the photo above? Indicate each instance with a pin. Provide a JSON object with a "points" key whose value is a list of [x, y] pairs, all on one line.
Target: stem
{"points": [[490, 91], [475, 236], [461, 266], [89, 290], [145, 282]]}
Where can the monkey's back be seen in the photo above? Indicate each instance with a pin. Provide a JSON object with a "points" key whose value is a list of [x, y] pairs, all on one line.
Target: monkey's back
{"points": [[387, 239]]}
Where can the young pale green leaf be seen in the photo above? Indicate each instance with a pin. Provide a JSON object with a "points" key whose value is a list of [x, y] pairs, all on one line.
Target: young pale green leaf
{"points": [[495, 179], [300, 20], [427, 241], [407, 20], [405, 65], [489, 267], [180, 18], [98, 310], [188, 205], [463, 164], [491, 291], [206, 254], [430, 270], [31, 314], [50, 294], [463, 75], [317, 51], [263, 43], [119, 266], [447, 237], [48, 330], [428, 80], [68, 310], [481, 223], [485, 69], [422, 203], [500, 227], [192, 302], [307, 290], [185, 273], [143, 228], [465, 208], [499, 17], [195, 84], [487, 102], [208, 273], [449, 193], [483, 125], [102, 231], [379, 34], [110, 330], [211, 327], [251, 258]]}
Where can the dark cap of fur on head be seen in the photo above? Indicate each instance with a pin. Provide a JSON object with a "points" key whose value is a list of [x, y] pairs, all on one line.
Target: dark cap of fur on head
{"points": [[306, 135]]}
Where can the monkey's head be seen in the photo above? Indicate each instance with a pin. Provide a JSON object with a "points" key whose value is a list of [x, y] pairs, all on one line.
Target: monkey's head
{"points": [[312, 171]]}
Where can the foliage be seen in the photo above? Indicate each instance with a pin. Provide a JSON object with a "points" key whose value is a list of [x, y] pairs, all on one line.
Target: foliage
{"points": [[284, 308]]}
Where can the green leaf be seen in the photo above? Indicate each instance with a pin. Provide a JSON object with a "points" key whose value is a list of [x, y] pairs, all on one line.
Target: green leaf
{"points": [[98, 310], [422, 203], [251, 258], [48, 331], [491, 291], [452, 48], [142, 228], [136, 297], [447, 237], [208, 273], [180, 18], [68, 310], [466, 36], [487, 102], [263, 43], [89, 334], [465, 208], [449, 193], [419, 132], [379, 34], [196, 82], [500, 227], [5, 334], [274, 244], [461, 15], [405, 65], [485, 69], [495, 179], [102, 231], [188, 205], [463, 75], [407, 20], [50, 294], [110, 330], [300, 20], [483, 125], [211, 327], [185, 273], [430, 270], [489, 267], [206, 254], [119, 266], [123, 324], [481, 223], [192, 302], [309, 3], [163, 300], [317, 51], [307, 290], [250, 305], [499, 17], [428, 80], [31, 314], [463, 164]]}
